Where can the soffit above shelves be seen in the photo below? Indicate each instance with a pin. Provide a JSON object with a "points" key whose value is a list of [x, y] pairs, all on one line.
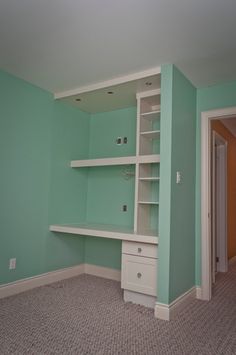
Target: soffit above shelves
{"points": [[108, 98]]}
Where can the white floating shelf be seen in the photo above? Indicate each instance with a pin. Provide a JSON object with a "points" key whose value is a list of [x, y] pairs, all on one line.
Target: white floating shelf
{"points": [[149, 178], [150, 134], [152, 158], [148, 202], [103, 162], [106, 231]]}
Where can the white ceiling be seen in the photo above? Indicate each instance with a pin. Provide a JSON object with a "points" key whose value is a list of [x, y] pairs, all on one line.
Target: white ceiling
{"points": [[63, 44]]}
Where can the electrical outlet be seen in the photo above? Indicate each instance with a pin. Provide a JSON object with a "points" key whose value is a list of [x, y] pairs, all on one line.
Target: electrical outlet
{"points": [[178, 177], [118, 140], [12, 264], [125, 140], [124, 208]]}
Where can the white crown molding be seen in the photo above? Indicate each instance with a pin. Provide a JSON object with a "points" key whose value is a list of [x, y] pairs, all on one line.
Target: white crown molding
{"points": [[169, 311], [108, 83]]}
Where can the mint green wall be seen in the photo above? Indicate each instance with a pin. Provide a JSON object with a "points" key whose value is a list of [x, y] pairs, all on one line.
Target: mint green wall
{"points": [[70, 129], [182, 242], [209, 98], [108, 190], [105, 127], [30, 120], [176, 263], [103, 252]]}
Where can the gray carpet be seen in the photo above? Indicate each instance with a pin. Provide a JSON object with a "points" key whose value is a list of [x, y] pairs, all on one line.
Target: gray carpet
{"points": [[86, 315]]}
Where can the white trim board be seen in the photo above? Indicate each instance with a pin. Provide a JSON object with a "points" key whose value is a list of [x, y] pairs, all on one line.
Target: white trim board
{"points": [[206, 118], [23, 285], [170, 311], [40, 280]]}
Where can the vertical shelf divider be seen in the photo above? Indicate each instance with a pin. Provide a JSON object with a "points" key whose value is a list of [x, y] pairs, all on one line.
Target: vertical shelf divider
{"points": [[148, 106]]}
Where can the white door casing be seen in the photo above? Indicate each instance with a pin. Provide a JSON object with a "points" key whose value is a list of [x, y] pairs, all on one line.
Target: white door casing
{"points": [[206, 117]]}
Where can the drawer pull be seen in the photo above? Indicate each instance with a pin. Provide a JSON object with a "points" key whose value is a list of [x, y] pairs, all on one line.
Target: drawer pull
{"points": [[139, 275], [139, 250]]}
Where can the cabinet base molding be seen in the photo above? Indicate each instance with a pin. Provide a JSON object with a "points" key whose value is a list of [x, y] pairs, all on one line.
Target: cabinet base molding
{"points": [[139, 298], [170, 311], [29, 283]]}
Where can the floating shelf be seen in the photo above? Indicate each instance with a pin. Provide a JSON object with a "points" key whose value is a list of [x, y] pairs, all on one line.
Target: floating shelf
{"points": [[150, 134], [149, 178], [103, 162], [152, 158], [107, 231]]}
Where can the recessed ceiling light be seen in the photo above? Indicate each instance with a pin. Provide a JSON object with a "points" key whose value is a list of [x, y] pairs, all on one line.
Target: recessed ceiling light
{"points": [[148, 83], [110, 92], [78, 99]]}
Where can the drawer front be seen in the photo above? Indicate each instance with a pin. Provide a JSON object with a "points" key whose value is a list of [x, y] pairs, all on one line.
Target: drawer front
{"points": [[141, 249], [139, 274]]}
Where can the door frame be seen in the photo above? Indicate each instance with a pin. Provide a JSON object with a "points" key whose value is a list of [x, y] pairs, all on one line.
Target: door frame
{"points": [[219, 203], [221, 200], [206, 117]]}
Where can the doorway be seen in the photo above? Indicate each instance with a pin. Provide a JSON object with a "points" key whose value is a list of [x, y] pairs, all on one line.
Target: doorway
{"points": [[207, 247], [219, 245]]}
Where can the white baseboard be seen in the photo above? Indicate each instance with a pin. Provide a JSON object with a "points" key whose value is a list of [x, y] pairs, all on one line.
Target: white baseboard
{"points": [[101, 271], [40, 280], [23, 285], [169, 311], [198, 292]]}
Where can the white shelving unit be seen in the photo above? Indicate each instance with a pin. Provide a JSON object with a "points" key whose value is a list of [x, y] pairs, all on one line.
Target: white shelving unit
{"points": [[146, 163], [147, 174], [139, 244]]}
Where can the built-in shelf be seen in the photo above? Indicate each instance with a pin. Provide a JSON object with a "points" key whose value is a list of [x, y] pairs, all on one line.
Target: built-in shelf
{"points": [[149, 178], [152, 158], [151, 114], [150, 134], [107, 231], [148, 202], [103, 162]]}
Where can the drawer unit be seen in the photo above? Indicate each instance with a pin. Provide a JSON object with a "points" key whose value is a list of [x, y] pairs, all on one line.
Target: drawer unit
{"points": [[139, 249], [139, 274]]}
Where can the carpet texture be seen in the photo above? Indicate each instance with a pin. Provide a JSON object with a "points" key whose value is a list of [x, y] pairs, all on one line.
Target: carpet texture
{"points": [[86, 315]]}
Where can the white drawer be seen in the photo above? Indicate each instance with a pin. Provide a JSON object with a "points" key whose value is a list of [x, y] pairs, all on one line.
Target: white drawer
{"points": [[139, 274], [141, 249]]}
